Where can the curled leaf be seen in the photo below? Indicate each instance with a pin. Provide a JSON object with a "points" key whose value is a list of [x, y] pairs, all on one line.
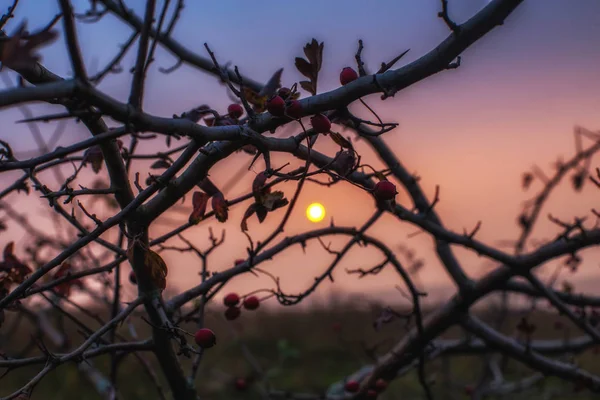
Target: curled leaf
{"points": [[340, 140], [344, 162], [157, 269], [199, 203], [273, 201], [94, 156], [20, 49], [249, 212], [258, 185], [219, 206]]}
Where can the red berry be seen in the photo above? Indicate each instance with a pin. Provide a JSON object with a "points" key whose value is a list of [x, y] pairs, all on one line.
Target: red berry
{"points": [[380, 385], [371, 394], [284, 92], [205, 338], [241, 384], [294, 109], [232, 313], [352, 386], [132, 278], [384, 190], [251, 303], [320, 123], [276, 106], [235, 110], [232, 299], [348, 75]]}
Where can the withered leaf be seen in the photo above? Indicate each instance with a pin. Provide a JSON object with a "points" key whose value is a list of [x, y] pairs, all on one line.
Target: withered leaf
{"points": [[11, 269], [157, 269], [158, 164], [258, 185], [314, 53], [304, 67], [308, 86], [199, 203], [94, 156], [261, 212], [219, 206], [339, 139], [20, 50], [258, 102], [310, 68], [273, 201], [344, 162], [272, 85], [249, 212], [154, 266]]}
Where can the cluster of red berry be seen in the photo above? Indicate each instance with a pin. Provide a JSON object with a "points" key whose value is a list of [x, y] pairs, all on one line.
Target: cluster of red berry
{"points": [[372, 393], [205, 338], [232, 300]]}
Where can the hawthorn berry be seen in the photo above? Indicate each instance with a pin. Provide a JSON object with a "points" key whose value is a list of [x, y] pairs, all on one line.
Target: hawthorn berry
{"points": [[380, 385], [232, 299], [320, 123], [294, 109], [235, 110], [251, 303], [348, 75], [205, 338], [132, 278], [352, 386], [241, 384], [384, 190], [232, 313], [276, 106]]}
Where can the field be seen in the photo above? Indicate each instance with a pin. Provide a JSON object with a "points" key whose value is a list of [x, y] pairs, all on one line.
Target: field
{"points": [[298, 352]]}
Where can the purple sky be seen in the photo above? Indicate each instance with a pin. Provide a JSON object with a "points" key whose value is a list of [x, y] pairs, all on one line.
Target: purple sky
{"points": [[474, 130]]}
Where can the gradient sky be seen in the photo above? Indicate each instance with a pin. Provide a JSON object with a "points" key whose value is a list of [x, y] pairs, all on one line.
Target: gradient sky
{"points": [[513, 103]]}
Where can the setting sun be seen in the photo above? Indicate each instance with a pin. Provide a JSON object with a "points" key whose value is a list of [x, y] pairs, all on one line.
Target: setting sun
{"points": [[315, 212]]}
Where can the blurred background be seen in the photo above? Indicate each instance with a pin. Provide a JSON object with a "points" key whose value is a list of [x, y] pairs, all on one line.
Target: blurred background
{"points": [[513, 103]]}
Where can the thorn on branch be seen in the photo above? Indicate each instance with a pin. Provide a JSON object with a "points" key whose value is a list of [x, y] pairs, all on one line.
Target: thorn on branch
{"points": [[454, 65], [455, 28], [359, 62]]}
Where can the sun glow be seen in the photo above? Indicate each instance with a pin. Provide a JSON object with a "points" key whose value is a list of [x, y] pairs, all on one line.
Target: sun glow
{"points": [[315, 212]]}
